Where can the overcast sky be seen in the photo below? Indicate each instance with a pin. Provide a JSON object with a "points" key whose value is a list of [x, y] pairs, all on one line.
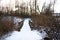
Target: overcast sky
{"points": [[4, 3], [57, 6]]}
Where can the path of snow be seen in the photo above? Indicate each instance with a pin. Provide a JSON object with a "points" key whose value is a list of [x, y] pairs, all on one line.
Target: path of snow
{"points": [[26, 33]]}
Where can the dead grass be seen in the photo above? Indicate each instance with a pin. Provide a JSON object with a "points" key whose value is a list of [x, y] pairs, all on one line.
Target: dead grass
{"points": [[5, 27]]}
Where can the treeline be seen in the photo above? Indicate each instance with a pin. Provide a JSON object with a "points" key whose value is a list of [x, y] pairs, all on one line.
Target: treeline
{"points": [[32, 8]]}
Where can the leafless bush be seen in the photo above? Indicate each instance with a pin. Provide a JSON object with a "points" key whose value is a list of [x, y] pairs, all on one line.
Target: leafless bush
{"points": [[5, 27]]}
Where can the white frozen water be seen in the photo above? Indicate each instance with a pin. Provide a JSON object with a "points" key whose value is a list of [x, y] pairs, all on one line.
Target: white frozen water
{"points": [[26, 33], [26, 26]]}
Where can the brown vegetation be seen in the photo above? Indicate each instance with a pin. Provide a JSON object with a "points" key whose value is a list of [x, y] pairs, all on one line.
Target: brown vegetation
{"points": [[47, 21], [5, 27]]}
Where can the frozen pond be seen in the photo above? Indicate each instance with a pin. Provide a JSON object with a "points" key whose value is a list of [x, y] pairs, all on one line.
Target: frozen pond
{"points": [[26, 33]]}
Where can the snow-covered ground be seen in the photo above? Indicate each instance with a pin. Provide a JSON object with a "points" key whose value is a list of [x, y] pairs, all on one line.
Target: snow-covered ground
{"points": [[26, 33]]}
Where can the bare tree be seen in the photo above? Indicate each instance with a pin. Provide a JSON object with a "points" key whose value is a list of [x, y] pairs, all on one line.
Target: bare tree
{"points": [[35, 6]]}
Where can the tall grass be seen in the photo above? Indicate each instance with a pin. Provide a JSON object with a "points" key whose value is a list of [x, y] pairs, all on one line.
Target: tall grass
{"points": [[5, 27], [47, 21]]}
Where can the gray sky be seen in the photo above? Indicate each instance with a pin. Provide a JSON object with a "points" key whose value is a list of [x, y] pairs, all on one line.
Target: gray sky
{"points": [[57, 6]]}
